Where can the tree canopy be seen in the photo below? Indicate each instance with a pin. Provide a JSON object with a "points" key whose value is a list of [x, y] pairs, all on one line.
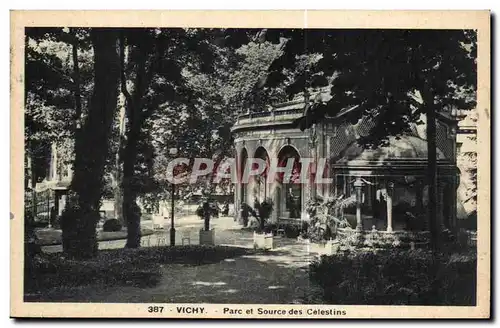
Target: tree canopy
{"points": [[116, 100]]}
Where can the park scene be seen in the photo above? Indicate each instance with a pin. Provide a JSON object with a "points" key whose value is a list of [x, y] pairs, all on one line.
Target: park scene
{"points": [[250, 166]]}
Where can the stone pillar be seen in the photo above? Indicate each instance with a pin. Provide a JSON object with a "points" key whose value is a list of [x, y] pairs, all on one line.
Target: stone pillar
{"points": [[62, 204], [390, 190], [237, 186], [358, 185]]}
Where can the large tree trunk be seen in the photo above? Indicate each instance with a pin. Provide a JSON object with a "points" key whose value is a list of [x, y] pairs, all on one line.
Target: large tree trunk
{"points": [[91, 149], [432, 178], [131, 210]]}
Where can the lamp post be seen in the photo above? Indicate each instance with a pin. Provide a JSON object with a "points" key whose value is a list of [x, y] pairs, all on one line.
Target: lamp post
{"points": [[390, 192], [173, 152]]}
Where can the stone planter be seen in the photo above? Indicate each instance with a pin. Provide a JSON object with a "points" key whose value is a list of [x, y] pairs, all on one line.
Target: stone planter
{"points": [[263, 241], [207, 237], [331, 247]]}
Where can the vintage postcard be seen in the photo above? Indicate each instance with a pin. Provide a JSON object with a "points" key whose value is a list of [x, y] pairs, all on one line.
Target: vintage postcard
{"points": [[250, 164]]}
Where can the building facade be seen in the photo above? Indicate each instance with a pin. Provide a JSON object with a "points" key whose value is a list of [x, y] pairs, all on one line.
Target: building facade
{"points": [[387, 185]]}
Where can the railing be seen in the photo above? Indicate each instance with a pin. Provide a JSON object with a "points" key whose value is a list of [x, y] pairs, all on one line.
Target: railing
{"points": [[276, 115]]}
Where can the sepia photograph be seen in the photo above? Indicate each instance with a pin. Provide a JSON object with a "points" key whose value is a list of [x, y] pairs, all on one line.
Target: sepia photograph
{"points": [[276, 172]]}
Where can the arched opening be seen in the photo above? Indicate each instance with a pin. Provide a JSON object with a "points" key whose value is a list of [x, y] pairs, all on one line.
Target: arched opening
{"points": [[288, 196], [261, 190]]}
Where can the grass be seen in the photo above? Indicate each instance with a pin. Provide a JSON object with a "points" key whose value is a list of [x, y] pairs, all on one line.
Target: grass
{"points": [[117, 267]]}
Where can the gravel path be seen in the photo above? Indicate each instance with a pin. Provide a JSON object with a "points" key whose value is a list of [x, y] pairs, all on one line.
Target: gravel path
{"points": [[279, 276]]}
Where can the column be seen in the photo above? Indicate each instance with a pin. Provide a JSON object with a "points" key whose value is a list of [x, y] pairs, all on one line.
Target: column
{"points": [[237, 202], [358, 186], [390, 190], [62, 204], [237, 185]]}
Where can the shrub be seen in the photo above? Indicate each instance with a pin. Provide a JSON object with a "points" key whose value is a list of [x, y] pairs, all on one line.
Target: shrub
{"points": [[291, 231], [117, 267], [31, 246], [379, 239], [304, 230], [264, 211], [396, 277], [199, 212], [269, 228], [112, 225], [325, 216]]}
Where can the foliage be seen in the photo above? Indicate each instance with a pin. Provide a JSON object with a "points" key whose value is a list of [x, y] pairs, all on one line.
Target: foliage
{"points": [[380, 239], [117, 267], [263, 210], [396, 277], [325, 216], [81, 215], [253, 60], [112, 225], [405, 78], [389, 83], [52, 90], [31, 247], [350, 241], [206, 210], [173, 80], [291, 231], [200, 125]]}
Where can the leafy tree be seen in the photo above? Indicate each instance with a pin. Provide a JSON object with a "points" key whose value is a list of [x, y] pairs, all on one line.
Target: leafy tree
{"points": [[157, 60], [52, 91], [201, 126], [81, 215], [252, 62], [392, 76]]}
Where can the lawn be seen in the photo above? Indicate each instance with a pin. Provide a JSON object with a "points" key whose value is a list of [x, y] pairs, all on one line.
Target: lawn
{"points": [[117, 267]]}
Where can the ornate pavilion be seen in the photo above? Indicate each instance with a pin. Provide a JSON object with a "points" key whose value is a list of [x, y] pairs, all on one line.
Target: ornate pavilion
{"points": [[388, 183]]}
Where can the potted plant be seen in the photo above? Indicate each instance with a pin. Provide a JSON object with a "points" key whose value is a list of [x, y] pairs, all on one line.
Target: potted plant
{"points": [[207, 235], [324, 219], [263, 239], [312, 207]]}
